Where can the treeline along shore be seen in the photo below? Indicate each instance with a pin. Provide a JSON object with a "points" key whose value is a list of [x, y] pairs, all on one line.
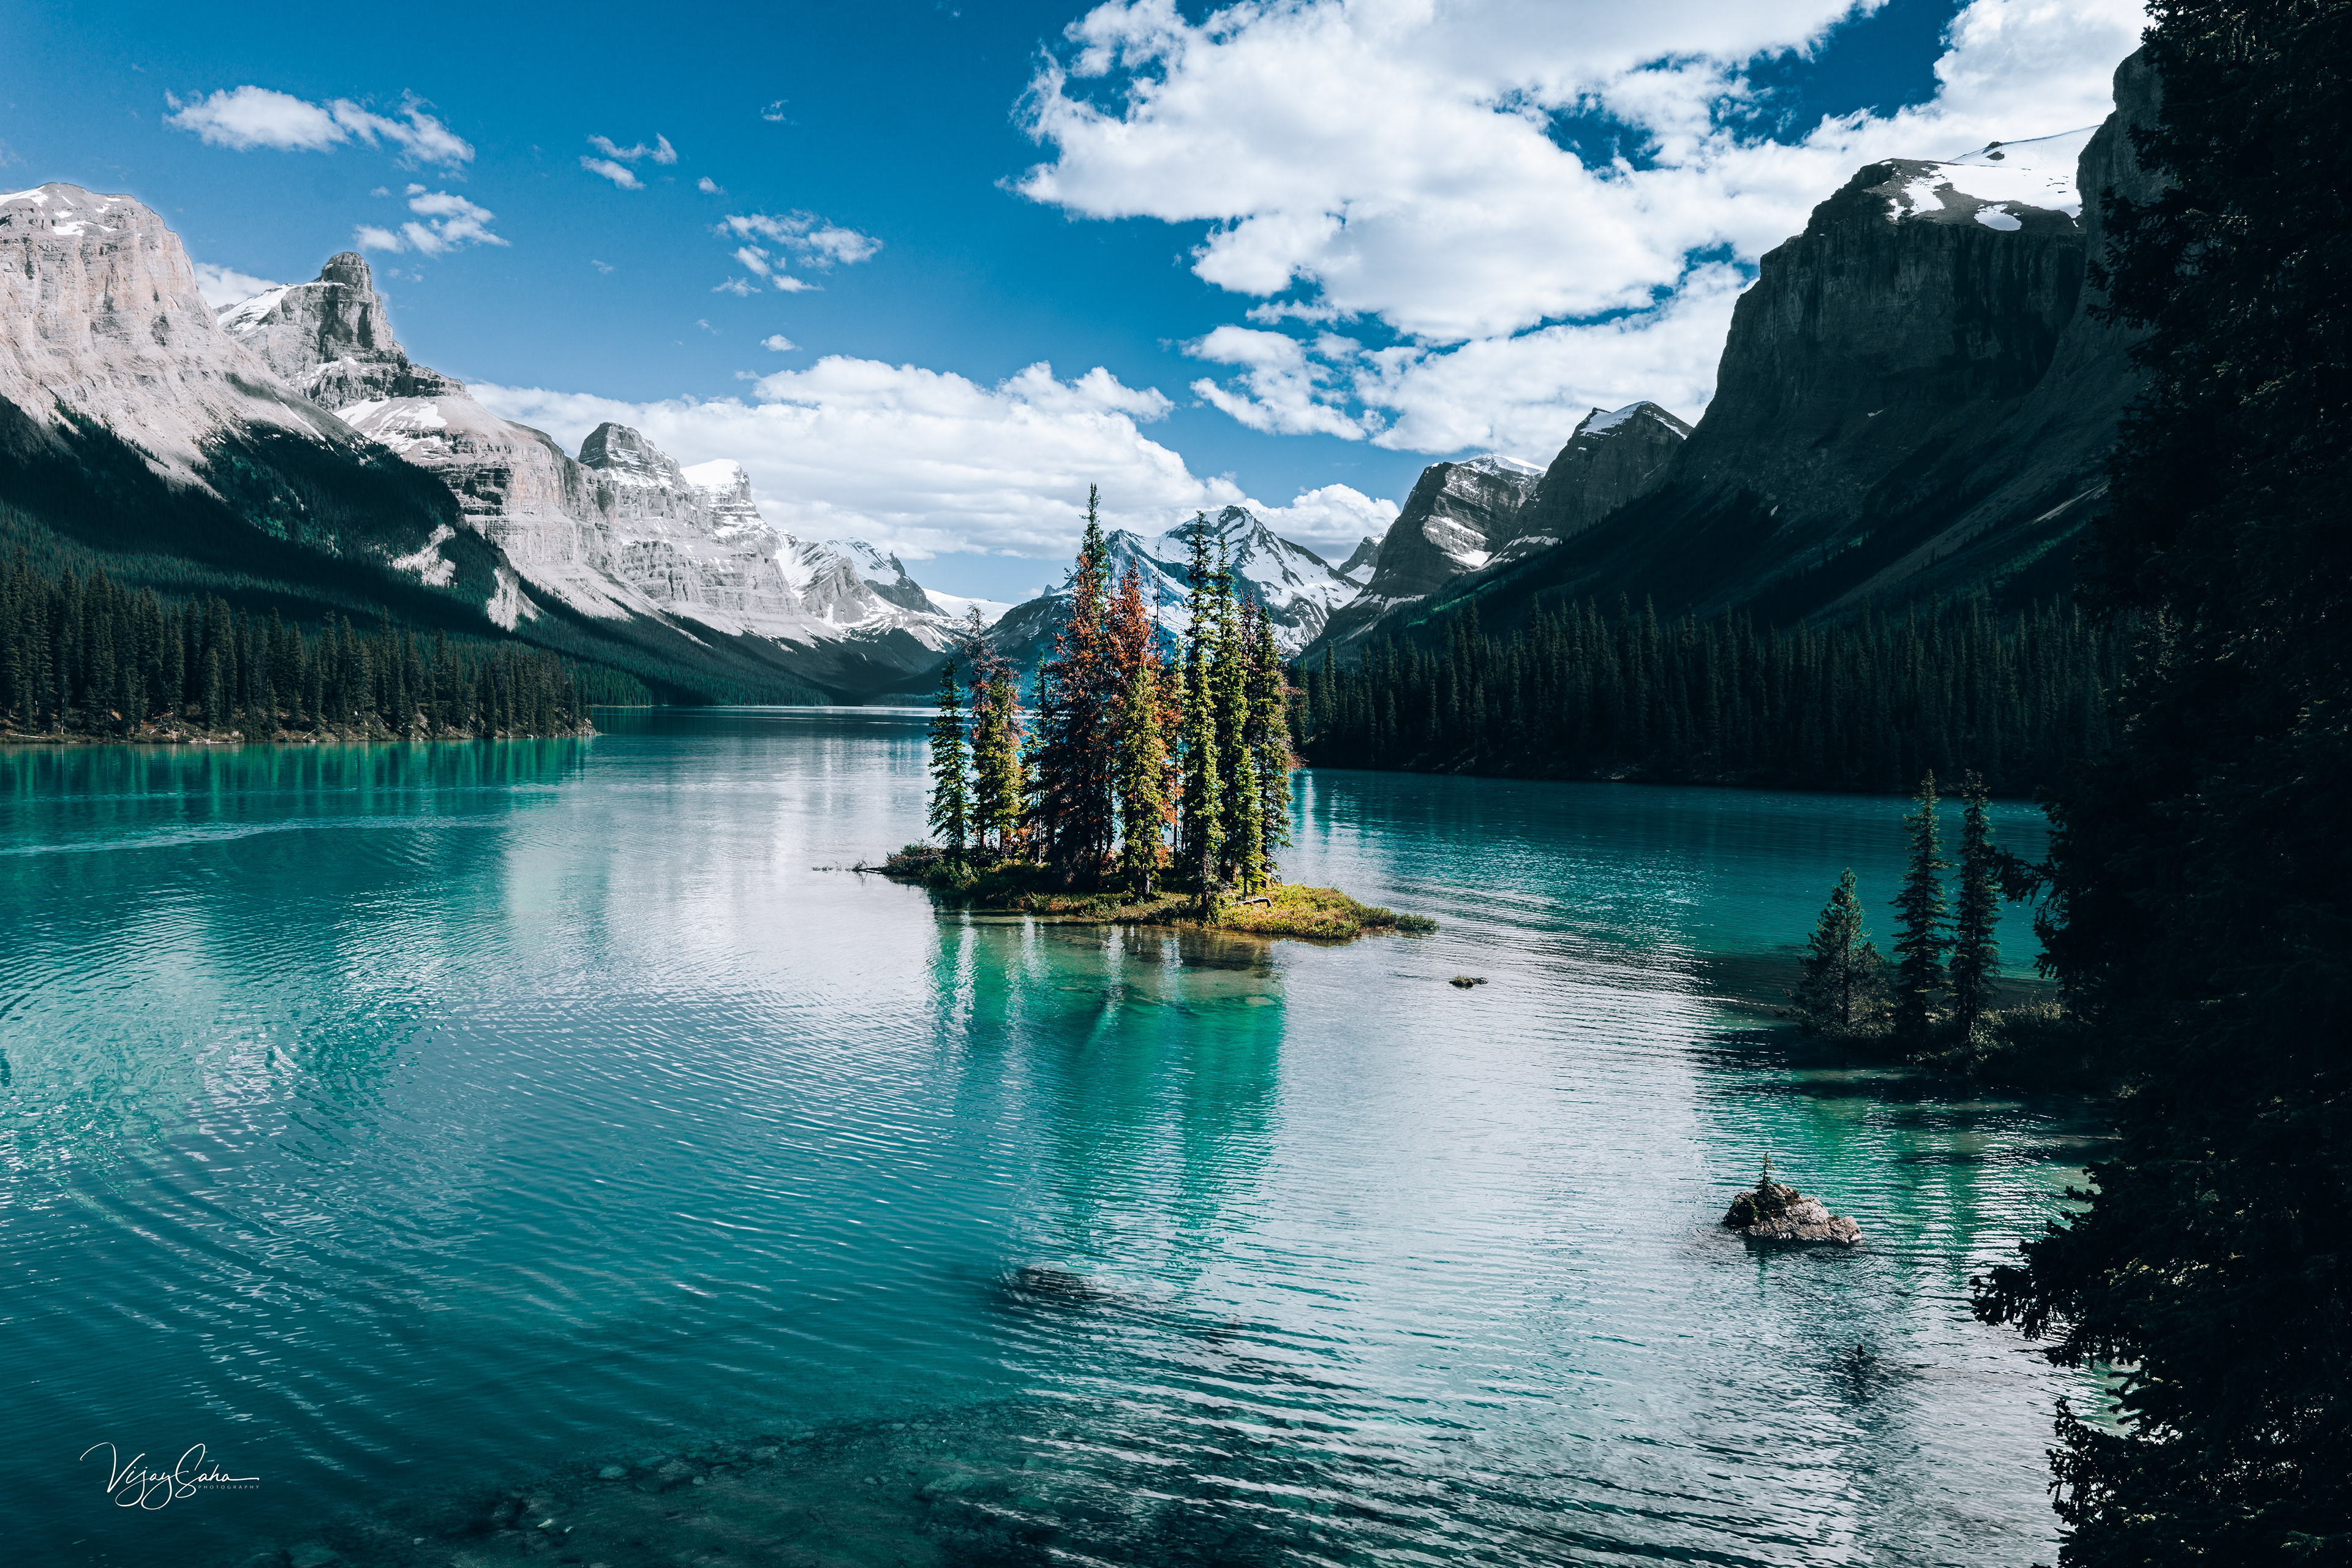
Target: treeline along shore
{"points": [[83, 658], [1580, 692]]}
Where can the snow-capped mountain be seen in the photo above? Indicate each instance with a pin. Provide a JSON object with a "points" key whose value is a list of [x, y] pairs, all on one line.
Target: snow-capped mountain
{"points": [[1296, 589], [620, 530]]}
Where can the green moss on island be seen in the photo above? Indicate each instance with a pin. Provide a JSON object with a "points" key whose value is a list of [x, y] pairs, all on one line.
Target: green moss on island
{"points": [[1013, 887]]}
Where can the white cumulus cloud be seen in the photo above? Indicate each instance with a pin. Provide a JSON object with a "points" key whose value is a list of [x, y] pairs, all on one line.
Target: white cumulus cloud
{"points": [[779, 343], [926, 462], [1284, 391], [247, 117], [1383, 160]]}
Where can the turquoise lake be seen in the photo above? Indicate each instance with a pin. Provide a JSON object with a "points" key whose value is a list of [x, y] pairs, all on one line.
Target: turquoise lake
{"points": [[409, 1125]]}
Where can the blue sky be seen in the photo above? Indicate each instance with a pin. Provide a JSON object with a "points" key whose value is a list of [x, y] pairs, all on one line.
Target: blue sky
{"points": [[1185, 172]]}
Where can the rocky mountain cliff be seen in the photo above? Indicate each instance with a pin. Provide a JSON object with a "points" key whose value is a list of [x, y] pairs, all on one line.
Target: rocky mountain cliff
{"points": [[1914, 400], [620, 531], [132, 420], [1472, 520], [287, 449]]}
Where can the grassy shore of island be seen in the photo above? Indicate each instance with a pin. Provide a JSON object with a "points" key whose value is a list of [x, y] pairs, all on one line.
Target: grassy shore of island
{"points": [[1015, 887]]}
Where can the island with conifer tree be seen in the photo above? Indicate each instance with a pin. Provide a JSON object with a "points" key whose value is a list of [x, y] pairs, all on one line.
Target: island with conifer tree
{"points": [[1135, 787], [1934, 1005]]}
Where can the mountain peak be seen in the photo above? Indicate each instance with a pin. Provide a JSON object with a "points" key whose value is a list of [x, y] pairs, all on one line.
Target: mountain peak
{"points": [[622, 453], [330, 338], [1598, 423], [350, 268], [1496, 463]]}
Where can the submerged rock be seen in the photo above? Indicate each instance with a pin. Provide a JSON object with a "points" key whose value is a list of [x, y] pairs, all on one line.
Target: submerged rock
{"points": [[1775, 1212]]}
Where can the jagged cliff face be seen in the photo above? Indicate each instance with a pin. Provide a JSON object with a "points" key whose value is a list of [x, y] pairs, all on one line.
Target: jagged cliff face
{"points": [[330, 340], [1467, 522], [621, 530], [1609, 459], [1913, 399], [99, 311], [128, 413], [1908, 304]]}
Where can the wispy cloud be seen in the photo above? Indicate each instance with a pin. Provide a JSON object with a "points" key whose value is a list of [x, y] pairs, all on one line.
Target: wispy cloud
{"points": [[710, 187], [247, 117], [779, 343], [451, 222], [617, 173], [600, 266], [775, 112], [741, 288], [661, 152], [811, 238]]}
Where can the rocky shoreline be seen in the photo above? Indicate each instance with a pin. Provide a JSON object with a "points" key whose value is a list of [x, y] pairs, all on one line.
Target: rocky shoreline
{"points": [[328, 736]]}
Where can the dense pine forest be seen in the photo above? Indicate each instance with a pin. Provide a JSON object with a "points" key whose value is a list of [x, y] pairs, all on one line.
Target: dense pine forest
{"points": [[1871, 704], [82, 656]]}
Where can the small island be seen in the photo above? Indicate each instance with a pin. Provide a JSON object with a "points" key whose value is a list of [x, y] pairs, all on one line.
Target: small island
{"points": [[1133, 787], [1278, 908]]}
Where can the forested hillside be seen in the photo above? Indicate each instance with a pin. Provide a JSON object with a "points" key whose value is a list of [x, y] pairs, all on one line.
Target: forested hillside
{"points": [[85, 657], [1867, 704]]}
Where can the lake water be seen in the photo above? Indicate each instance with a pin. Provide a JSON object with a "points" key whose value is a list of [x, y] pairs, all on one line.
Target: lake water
{"points": [[411, 1125]]}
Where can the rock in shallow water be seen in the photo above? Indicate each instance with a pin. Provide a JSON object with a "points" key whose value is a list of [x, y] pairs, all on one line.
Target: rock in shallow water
{"points": [[1777, 1213]]}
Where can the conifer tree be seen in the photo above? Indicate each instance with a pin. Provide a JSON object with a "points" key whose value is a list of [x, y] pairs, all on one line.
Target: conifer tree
{"points": [[2199, 909], [1842, 984], [1202, 824], [1238, 804], [951, 814], [1975, 954], [1923, 937], [1270, 753], [1142, 728], [999, 785], [1078, 690]]}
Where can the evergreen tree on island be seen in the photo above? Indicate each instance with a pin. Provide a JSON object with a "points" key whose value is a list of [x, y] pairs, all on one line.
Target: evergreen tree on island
{"points": [[1124, 744], [1078, 692], [1238, 802], [1842, 984], [951, 814], [1269, 742], [1203, 835], [1000, 780], [1923, 938], [1145, 718], [1975, 955], [2197, 909]]}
